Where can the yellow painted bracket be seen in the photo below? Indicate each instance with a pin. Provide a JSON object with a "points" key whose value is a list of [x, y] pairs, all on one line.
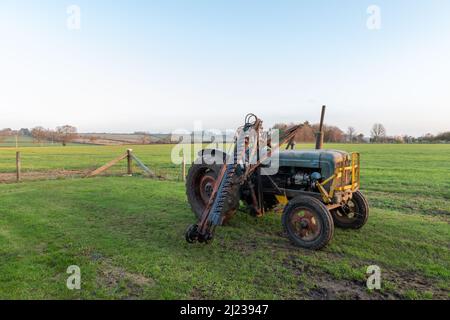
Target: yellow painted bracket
{"points": [[282, 199], [338, 183]]}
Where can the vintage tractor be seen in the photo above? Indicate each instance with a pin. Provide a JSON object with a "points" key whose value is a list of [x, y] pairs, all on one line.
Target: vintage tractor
{"points": [[319, 189]]}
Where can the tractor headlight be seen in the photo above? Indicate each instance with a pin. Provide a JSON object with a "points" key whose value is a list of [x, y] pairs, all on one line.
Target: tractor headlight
{"points": [[316, 176]]}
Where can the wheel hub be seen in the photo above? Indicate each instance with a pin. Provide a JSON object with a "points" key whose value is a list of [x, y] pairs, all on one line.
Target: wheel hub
{"points": [[206, 187], [209, 189], [305, 224], [348, 211]]}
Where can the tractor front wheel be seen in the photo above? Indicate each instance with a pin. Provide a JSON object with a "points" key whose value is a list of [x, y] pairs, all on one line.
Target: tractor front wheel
{"points": [[308, 223], [354, 214]]}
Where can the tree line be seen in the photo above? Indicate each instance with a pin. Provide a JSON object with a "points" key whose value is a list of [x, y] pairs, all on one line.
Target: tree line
{"points": [[307, 133], [62, 134], [429, 138], [378, 134]]}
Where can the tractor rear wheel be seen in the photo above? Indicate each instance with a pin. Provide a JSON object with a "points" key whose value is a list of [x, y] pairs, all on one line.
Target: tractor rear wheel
{"points": [[354, 214], [200, 184], [308, 223]]}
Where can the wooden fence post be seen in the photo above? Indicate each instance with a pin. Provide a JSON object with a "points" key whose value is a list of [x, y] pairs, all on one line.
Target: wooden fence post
{"points": [[183, 169], [130, 162], [18, 166]]}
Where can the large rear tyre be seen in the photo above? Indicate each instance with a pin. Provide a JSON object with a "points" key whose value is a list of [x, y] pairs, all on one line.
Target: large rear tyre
{"points": [[200, 184], [354, 214], [308, 223]]}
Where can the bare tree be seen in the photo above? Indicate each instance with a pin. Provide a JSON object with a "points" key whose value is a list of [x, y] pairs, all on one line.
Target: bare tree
{"points": [[351, 134], [378, 132], [65, 134], [280, 126], [39, 134], [306, 133], [444, 136], [5, 133], [331, 133], [51, 135], [92, 139], [24, 132], [360, 138]]}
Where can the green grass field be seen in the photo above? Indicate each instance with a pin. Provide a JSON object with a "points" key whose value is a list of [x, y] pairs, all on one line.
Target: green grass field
{"points": [[26, 141], [126, 233]]}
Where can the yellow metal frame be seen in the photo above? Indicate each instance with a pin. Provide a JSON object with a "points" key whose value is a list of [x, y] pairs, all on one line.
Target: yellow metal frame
{"points": [[339, 177], [282, 199]]}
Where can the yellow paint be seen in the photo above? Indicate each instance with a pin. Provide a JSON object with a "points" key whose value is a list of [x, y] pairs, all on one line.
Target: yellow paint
{"points": [[282, 199], [339, 174]]}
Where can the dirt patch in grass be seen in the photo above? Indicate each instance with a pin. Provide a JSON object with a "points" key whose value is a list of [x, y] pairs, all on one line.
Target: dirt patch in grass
{"points": [[198, 294], [114, 277], [329, 288], [323, 286], [395, 284], [127, 284], [406, 283]]}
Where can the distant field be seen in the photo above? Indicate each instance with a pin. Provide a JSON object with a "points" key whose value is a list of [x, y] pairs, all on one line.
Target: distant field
{"points": [[120, 138], [25, 141], [108, 139], [126, 233]]}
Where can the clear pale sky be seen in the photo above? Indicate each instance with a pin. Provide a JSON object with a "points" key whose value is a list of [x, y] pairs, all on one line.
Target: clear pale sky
{"points": [[161, 65]]}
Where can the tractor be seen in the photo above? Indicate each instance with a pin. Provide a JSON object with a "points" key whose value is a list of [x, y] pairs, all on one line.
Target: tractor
{"points": [[317, 190]]}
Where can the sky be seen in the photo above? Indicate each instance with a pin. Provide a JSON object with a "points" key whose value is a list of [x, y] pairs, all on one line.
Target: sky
{"points": [[161, 65]]}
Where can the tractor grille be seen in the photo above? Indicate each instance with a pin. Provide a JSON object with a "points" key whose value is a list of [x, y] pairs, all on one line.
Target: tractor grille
{"points": [[348, 173]]}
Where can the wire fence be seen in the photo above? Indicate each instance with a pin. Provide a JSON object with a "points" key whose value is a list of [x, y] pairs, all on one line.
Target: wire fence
{"points": [[58, 163]]}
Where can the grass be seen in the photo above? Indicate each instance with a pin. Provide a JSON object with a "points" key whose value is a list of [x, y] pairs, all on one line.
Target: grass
{"points": [[126, 234], [37, 159], [26, 141]]}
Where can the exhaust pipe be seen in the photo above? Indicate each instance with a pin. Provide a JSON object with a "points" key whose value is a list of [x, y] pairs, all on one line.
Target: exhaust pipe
{"points": [[319, 134]]}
